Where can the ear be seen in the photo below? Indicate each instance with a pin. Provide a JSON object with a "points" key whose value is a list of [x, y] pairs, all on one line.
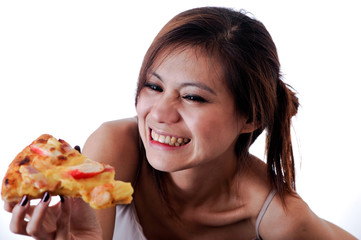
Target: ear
{"points": [[248, 126]]}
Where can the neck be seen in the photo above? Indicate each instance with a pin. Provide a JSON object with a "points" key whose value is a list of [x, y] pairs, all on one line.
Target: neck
{"points": [[203, 184]]}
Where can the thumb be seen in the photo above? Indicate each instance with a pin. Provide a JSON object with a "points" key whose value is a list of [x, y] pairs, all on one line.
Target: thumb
{"points": [[63, 221]]}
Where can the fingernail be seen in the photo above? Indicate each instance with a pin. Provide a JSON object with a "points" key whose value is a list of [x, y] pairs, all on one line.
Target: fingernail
{"points": [[24, 201], [77, 148], [62, 198], [45, 197]]}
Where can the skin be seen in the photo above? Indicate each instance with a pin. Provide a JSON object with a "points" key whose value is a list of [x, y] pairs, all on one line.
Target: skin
{"points": [[184, 97], [55, 222]]}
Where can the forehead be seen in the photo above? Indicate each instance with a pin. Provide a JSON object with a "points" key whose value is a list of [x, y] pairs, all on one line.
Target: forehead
{"points": [[189, 61]]}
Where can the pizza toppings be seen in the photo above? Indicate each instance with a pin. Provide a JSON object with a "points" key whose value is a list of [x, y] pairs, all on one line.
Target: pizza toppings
{"points": [[100, 195], [31, 175], [52, 147], [86, 170], [36, 149], [45, 151]]}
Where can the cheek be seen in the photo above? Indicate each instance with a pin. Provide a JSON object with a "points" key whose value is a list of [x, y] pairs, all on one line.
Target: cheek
{"points": [[215, 126], [143, 106], [142, 109], [204, 125]]}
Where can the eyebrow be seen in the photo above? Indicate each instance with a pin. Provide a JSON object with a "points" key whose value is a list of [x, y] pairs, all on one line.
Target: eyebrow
{"points": [[192, 84]]}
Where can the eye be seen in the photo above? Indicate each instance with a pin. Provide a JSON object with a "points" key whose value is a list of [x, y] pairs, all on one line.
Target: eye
{"points": [[153, 87], [195, 98]]}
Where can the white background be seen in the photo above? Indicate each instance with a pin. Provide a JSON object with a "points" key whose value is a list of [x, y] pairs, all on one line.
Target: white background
{"points": [[67, 66]]}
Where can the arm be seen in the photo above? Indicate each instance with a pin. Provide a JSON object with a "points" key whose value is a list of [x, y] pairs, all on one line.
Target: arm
{"points": [[297, 221], [115, 143]]}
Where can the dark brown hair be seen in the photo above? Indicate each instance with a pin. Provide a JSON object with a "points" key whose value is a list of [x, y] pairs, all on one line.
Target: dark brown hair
{"points": [[252, 74]]}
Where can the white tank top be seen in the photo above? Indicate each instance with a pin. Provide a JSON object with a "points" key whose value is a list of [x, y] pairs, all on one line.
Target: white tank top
{"points": [[127, 224]]}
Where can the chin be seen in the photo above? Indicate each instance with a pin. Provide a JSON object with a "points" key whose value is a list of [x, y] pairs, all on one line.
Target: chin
{"points": [[165, 166], [160, 166]]}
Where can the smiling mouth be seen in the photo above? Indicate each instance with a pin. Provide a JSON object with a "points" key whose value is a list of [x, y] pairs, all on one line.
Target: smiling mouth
{"points": [[169, 140]]}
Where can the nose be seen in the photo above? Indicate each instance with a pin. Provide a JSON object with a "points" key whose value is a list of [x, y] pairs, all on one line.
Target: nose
{"points": [[165, 110]]}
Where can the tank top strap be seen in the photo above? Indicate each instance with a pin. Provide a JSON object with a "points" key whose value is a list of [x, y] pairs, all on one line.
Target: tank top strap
{"points": [[263, 211]]}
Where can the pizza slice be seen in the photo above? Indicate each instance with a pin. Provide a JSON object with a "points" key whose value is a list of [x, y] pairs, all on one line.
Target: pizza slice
{"points": [[52, 165]]}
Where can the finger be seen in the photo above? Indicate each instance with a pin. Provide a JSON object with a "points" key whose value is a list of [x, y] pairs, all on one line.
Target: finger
{"points": [[35, 226], [9, 206], [17, 222], [63, 221]]}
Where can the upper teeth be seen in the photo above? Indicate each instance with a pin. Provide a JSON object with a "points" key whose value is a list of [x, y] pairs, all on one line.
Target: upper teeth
{"points": [[172, 141]]}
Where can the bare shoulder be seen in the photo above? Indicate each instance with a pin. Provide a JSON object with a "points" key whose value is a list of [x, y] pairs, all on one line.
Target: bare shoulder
{"points": [[295, 220], [116, 143]]}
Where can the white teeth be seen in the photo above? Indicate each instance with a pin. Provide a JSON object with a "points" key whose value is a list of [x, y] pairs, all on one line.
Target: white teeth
{"points": [[167, 140], [172, 141], [155, 136], [161, 139]]}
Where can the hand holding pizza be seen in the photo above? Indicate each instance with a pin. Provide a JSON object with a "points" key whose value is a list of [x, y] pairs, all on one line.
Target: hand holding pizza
{"points": [[71, 218]]}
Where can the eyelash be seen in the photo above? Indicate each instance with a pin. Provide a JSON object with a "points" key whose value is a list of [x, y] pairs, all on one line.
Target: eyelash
{"points": [[192, 98], [153, 87]]}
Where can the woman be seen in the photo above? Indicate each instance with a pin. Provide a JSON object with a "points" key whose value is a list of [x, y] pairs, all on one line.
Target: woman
{"points": [[209, 85]]}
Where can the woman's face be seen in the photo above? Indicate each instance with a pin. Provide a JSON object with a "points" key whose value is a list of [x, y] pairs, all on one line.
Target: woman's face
{"points": [[186, 114]]}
